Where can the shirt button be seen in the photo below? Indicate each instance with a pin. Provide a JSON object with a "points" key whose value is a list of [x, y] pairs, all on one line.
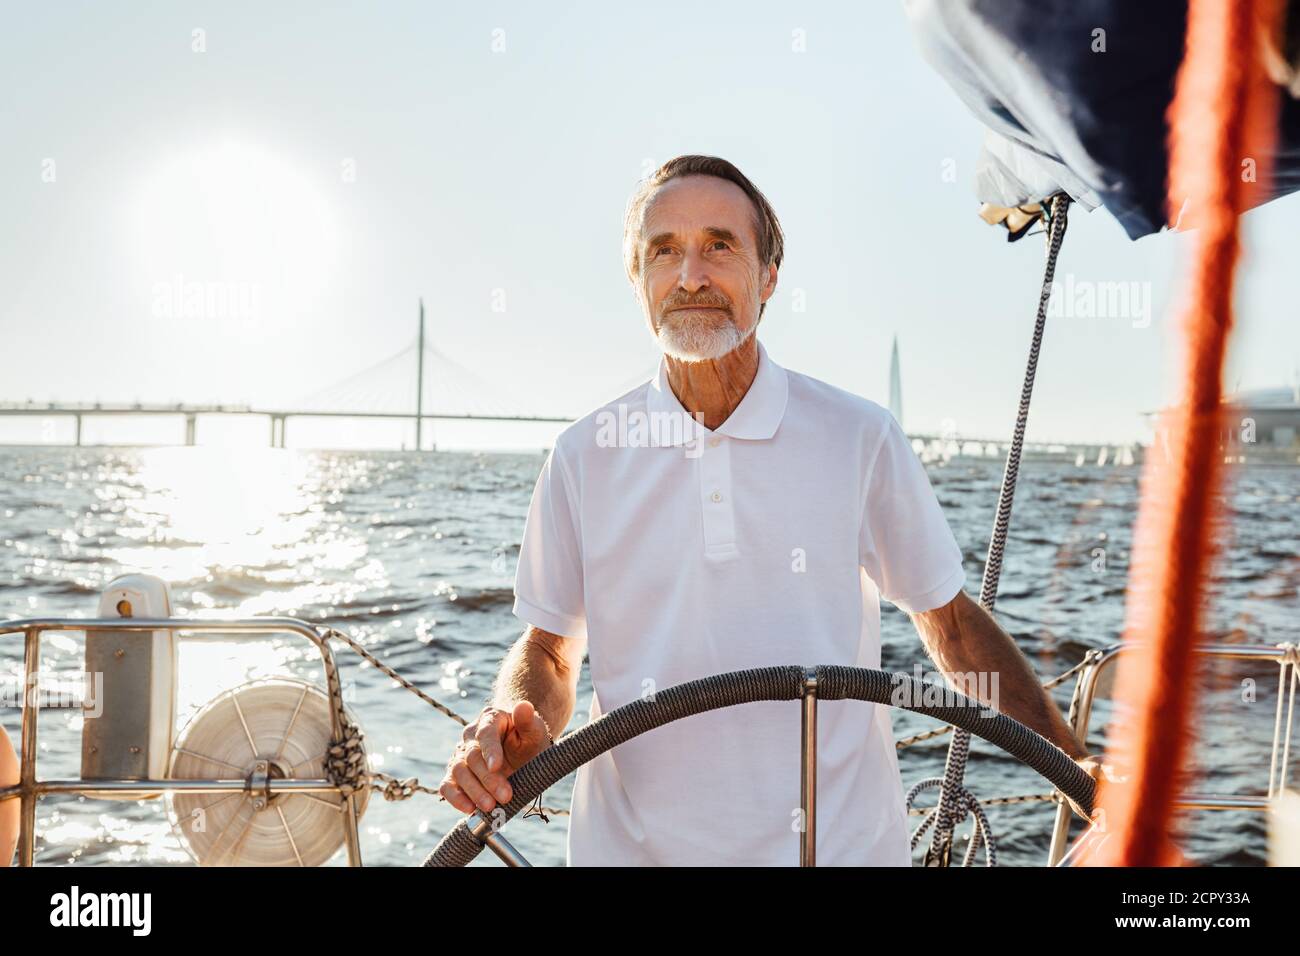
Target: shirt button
{"points": [[715, 442], [716, 496]]}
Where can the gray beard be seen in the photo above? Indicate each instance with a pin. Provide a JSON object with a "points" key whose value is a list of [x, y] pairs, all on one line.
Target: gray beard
{"points": [[700, 341]]}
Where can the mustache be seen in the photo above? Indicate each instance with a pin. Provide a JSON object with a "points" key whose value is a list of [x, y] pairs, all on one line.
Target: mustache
{"points": [[710, 302]]}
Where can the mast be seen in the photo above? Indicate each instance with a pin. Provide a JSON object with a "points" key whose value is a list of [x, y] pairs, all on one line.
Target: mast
{"points": [[419, 381]]}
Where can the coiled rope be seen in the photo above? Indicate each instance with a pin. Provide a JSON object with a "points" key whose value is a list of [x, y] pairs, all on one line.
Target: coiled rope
{"points": [[954, 800], [345, 765]]}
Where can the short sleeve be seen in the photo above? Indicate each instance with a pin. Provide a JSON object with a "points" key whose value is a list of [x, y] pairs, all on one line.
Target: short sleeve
{"points": [[904, 541], [548, 579]]}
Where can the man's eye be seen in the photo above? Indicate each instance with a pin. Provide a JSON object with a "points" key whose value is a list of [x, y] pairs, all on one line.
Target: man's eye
{"points": [[659, 250], [723, 242]]}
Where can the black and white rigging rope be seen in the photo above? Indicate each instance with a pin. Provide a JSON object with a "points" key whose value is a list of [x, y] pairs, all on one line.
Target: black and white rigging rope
{"points": [[954, 800]]}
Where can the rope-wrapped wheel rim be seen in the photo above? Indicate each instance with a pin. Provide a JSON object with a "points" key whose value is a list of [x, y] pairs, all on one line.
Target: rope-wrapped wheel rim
{"points": [[834, 682]]}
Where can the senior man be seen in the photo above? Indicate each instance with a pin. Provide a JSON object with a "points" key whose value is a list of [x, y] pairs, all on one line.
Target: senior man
{"points": [[751, 516]]}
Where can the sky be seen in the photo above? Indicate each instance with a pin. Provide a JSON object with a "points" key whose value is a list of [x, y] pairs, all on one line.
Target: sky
{"points": [[313, 170]]}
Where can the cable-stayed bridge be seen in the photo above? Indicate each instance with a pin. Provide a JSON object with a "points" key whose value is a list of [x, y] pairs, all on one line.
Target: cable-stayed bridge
{"points": [[420, 383]]}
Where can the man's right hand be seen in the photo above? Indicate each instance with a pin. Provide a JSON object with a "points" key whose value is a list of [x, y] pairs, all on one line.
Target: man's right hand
{"points": [[492, 747]]}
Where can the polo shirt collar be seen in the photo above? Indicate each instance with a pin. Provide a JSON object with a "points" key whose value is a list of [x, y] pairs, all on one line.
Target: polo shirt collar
{"points": [[756, 417]]}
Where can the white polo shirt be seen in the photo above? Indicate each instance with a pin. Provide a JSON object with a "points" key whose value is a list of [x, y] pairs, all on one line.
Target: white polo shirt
{"points": [[681, 552]]}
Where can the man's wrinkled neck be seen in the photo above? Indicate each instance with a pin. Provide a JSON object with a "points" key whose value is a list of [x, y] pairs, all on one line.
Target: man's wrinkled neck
{"points": [[714, 387]]}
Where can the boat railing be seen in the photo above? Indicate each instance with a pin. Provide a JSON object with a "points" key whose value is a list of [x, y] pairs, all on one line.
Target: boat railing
{"points": [[1286, 656], [31, 788]]}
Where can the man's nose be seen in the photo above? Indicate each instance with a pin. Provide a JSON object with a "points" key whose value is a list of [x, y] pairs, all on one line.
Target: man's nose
{"points": [[693, 275]]}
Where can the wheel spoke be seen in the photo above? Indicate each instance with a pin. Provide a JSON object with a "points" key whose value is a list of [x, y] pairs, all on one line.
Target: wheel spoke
{"points": [[279, 750], [210, 759], [289, 833]]}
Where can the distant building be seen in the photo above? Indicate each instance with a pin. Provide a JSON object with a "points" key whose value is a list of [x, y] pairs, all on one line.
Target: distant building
{"points": [[1269, 418], [1262, 426]]}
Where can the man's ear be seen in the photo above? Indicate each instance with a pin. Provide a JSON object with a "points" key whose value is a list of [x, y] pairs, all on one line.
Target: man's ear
{"points": [[769, 282]]}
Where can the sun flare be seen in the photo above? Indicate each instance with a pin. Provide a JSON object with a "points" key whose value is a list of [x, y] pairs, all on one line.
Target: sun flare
{"points": [[232, 231]]}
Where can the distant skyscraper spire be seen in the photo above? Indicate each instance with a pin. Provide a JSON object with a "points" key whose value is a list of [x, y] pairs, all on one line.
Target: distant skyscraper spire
{"points": [[895, 385]]}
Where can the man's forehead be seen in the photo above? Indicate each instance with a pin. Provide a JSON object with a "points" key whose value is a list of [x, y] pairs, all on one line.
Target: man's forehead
{"points": [[693, 203]]}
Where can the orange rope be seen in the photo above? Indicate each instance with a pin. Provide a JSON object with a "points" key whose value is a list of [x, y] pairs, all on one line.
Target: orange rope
{"points": [[1221, 119]]}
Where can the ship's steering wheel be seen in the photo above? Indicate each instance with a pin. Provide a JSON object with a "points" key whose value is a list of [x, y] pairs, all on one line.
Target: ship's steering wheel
{"points": [[824, 682]]}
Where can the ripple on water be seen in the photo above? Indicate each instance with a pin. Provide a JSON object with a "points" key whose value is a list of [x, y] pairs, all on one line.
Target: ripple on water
{"points": [[318, 535]]}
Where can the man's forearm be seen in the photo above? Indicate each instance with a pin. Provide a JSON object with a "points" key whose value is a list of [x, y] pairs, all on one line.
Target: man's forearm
{"points": [[962, 638], [530, 672]]}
